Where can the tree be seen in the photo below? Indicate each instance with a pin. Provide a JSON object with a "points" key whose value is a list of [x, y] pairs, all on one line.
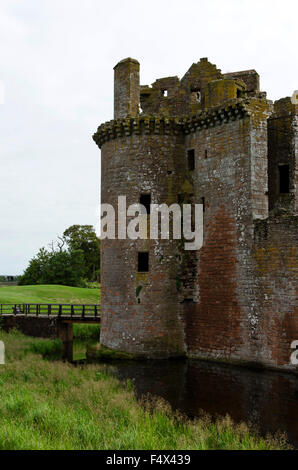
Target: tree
{"points": [[83, 237], [55, 267], [72, 260]]}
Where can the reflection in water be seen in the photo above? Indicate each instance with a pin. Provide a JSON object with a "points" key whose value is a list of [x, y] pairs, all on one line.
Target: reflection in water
{"points": [[269, 400]]}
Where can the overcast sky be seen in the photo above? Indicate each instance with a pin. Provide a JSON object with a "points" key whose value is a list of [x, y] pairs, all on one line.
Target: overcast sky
{"points": [[56, 87]]}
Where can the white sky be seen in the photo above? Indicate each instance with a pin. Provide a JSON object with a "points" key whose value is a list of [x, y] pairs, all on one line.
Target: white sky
{"points": [[56, 87]]}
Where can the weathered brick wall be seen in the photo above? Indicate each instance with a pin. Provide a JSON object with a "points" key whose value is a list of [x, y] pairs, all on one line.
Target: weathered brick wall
{"points": [[214, 320], [251, 79], [38, 327], [126, 88], [212, 287], [150, 323], [182, 98], [283, 150], [221, 91], [276, 264]]}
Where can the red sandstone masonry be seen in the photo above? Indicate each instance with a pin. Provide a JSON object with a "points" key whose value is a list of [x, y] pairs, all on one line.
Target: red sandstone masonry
{"points": [[213, 326], [276, 256], [236, 298]]}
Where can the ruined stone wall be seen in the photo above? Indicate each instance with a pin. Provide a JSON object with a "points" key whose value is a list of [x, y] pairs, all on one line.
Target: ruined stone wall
{"points": [[126, 88], [214, 320], [283, 150], [245, 305], [212, 287], [251, 79], [276, 261], [236, 297], [140, 311], [183, 97]]}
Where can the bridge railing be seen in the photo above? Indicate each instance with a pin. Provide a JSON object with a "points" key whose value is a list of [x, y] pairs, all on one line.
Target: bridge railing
{"points": [[11, 309], [57, 310]]}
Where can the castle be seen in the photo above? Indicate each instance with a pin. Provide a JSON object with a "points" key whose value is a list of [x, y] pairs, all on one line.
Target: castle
{"points": [[214, 139]]}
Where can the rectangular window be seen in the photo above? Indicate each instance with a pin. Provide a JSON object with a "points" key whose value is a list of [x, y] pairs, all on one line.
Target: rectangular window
{"points": [[145, 200], [284, 179], [191, 159], [180, 198], [143, 262], [195, 95]]}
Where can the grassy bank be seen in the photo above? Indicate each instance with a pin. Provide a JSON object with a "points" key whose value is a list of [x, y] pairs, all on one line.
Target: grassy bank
{"points": [[86, 332], [53, 405], [48, 294], [83, 334]]}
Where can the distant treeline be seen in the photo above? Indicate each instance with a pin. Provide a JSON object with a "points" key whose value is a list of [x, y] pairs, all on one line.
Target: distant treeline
{"points": [[4, 278], [73, 260]]}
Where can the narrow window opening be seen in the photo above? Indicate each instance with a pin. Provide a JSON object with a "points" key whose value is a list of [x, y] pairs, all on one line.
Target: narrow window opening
{"points": [[206, 154], [145, 200], [284, 179], [164, 93], [196, 95], [203, 203], [143, 262], [239, 93], [191, 159]]}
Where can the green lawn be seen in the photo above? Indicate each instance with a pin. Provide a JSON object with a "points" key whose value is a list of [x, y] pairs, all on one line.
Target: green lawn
{"points": [[48, 294], [54, 405], [83, 334]]}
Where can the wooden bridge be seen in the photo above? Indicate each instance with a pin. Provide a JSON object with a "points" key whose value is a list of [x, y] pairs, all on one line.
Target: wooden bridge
{"points": [[49, 320], [75, 312]]}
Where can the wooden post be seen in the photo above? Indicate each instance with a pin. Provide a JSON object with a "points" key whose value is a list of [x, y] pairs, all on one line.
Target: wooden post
{"points": [[65, 333]]}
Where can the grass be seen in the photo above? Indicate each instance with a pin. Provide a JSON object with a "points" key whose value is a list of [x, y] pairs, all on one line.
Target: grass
{"points": [[48, 294], [47, 348], [53, 405], [86, 332]]}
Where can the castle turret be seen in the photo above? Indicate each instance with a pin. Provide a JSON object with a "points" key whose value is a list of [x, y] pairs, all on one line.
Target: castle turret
{"points": [[126, 88], [201, 140]]}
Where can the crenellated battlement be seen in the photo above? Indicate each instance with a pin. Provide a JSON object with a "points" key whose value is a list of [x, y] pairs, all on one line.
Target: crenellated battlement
{"points": [[144, 124]]}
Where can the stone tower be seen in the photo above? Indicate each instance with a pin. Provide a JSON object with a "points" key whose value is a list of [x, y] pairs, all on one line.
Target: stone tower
{"points": [[213, 139]]}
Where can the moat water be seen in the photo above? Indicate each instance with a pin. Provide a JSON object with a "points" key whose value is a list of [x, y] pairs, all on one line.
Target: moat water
{"points": [[266, 399]]}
